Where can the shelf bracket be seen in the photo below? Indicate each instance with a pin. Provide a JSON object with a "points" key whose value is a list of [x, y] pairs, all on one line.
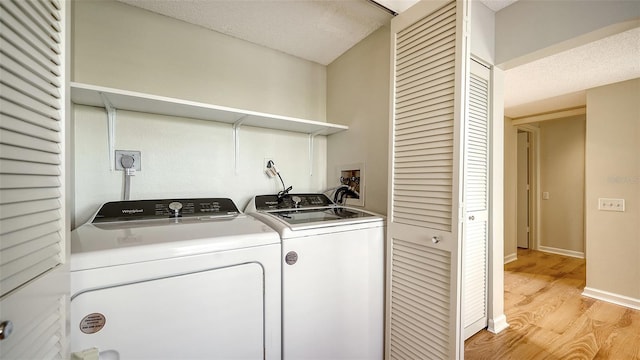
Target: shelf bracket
{"points": [[236, 141], [111, 127], [311, 138]]}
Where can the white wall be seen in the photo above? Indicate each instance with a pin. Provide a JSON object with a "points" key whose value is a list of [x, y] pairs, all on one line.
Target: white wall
{"points": [[562, 160], [482, 32], [358, 95], [531, 29], [186, 158], [510, 190], [613, 171], [122, 46], [146, 52]]}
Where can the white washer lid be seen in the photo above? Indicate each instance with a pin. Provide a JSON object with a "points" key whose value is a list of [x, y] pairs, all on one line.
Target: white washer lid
{"points": [[118, 243]]}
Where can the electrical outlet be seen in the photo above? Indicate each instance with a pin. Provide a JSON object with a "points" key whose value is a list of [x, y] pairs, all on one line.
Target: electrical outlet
{"points": [[137, 159], [270, 171], [606, 204], [266, 161]]}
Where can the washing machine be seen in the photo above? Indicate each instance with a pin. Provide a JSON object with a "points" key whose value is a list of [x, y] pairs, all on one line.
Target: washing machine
{"points": [[332, 276], [175, 279]]}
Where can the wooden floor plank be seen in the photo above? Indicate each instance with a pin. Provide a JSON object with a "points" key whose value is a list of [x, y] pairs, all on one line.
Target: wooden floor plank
{"points": [[624, 341], [565, 315], [549, 318]]}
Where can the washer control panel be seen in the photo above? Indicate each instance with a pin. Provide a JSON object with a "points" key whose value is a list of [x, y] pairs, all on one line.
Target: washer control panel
{"points": [[165, 208], [291, 201]]}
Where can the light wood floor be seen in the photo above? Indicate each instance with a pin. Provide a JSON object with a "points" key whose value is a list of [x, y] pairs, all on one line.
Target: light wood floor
{"points": [[549, 319]]}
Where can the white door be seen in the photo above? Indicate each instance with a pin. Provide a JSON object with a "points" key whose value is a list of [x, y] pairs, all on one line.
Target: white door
{"points": [[34, 281], [475, 242], [209, 314], [522, 212], [424, 254]]}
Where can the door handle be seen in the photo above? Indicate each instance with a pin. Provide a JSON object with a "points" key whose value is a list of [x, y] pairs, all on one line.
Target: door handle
{"points": [[472, 217]]}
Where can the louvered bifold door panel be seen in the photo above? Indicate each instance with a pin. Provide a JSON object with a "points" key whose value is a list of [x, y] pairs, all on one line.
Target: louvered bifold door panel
{"points": [[421, 306], [424, 111], [31, 179], [30, 149], [477, 146], [476, 195], [423, 251]]}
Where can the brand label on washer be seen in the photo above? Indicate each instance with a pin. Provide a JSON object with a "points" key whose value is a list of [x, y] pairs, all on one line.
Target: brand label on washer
{"points": [[291, 257], [92, 323]]}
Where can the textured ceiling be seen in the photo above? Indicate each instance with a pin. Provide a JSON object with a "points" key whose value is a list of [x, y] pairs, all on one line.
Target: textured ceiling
{"points": [[318, 31], [497, 5], [402, 5], [560, 80], [315, 30]]}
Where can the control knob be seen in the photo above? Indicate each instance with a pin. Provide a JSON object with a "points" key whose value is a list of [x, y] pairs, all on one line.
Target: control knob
{"points": [[174, 208]]}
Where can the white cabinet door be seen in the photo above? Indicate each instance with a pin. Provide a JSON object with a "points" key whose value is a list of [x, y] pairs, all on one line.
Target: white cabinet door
{"points": [[429, 80], [34, 282]]}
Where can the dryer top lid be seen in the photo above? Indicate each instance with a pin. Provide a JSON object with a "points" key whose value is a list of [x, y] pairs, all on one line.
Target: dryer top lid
{"points": [[148, 236]]}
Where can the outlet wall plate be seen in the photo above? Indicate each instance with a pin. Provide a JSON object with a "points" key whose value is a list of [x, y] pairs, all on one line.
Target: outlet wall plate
{"points": [[269, 171], [137, 159], [608, 204]]}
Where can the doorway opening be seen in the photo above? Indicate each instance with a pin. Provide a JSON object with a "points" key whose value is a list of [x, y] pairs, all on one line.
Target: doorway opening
{"points": [[527, 187], [524, 187]]}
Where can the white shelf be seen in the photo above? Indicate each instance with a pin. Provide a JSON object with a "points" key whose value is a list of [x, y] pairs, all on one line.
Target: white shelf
{"points": [[92, 95]]}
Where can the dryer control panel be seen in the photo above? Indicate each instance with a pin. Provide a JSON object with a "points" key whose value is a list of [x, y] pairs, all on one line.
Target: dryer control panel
{"points": [[164, 208]]}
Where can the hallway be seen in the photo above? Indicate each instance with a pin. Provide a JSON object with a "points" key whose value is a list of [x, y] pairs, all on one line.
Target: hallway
{"points": [[549, 319]]}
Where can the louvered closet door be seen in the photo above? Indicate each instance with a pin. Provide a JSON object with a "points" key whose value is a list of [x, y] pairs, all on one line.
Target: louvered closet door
{"points": [[424, 252], [476, 200], [33, 281]]}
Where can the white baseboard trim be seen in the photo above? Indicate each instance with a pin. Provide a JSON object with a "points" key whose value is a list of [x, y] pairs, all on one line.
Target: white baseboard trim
{"points": [[612, 298], [571, 253], [498, 324], [511, 257]]}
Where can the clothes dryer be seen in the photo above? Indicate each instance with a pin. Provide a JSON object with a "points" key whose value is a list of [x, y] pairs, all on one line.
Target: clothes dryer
{"points": [[175, 279]]}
